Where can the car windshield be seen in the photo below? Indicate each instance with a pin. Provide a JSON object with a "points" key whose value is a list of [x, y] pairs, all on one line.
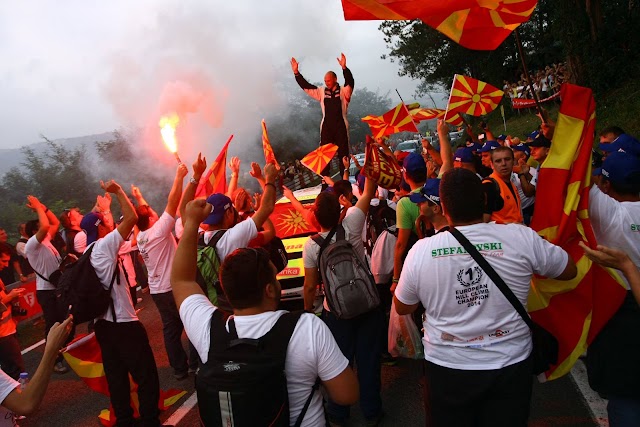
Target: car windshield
{"points": [[406, 145]]}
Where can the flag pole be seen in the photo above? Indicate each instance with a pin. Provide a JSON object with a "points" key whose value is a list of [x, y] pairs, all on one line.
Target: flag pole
{"points": [[526, 73], [446, 111], [408, 112]]}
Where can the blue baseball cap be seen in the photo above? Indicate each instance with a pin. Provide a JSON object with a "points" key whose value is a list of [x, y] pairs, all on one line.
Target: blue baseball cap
{"points": [[533, 134], [522, 147], [463, 155], [540, 141], [488, 146], [502, 137], [429, 192], [89, 225], [414, 163], [474, 146], [624, 143], [620, 168], [220, 204]]}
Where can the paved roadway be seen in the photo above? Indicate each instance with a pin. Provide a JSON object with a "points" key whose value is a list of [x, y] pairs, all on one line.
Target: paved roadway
{"points": [[69, 402]]}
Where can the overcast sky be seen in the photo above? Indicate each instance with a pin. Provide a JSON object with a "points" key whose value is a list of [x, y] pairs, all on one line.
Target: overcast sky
{"points": [[74, 68]]}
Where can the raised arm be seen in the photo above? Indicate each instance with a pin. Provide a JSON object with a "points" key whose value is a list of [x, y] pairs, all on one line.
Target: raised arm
{"points": [[445, 147], [199, 166], [43, 219], [176, 190], [103, 206], [370, 187], [348, 77], [234, 165], [268, 197], [184, 268], [129, 216]]}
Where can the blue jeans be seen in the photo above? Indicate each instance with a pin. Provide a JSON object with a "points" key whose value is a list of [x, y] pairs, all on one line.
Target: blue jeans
{"points": [[359, 340], [623, 411]]}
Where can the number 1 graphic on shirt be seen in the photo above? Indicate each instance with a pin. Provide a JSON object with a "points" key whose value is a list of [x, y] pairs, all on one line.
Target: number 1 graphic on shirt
{"points": [[471, 272]]}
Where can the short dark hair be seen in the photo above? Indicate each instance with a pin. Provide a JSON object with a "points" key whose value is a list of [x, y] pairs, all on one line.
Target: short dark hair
{"points": [[31, 227], [461, 195], [342, 188], [501, 149], [327, 209], [616, 130], [5, 249], [144, 213], [419, 175], [335, 76], [244, 274]]}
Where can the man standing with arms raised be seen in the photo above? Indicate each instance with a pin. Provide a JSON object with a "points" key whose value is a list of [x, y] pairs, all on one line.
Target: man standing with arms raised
{"points": [[334, 101]]}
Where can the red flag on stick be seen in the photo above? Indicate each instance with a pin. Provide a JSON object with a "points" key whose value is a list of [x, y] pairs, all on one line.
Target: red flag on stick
{"points": [[215, 180], [576, 310], [395, 120], [473, 97], [480, 25], [318, 159], [269, 156]]}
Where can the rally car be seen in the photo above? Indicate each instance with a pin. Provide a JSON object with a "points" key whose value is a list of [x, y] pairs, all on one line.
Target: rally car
{"points": [[294, 232]]}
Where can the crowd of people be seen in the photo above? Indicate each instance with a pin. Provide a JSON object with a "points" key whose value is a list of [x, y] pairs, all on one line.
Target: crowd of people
{"points": [[545, 82], [482, 192]]}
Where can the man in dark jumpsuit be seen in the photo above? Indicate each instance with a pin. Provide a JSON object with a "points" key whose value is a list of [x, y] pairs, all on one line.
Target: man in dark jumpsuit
{"points": [[334, 101]]}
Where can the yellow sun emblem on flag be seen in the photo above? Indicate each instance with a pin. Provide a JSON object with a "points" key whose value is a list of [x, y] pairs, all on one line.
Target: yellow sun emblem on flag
{"points": [[292, 223]]}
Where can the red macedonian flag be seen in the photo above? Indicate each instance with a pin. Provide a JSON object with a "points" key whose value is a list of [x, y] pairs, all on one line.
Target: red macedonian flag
{"points": [[318, 159], [420, 114], [395, 120], [474, 24], [473, 97], [269, 157], [576, 310], [215, 180]]}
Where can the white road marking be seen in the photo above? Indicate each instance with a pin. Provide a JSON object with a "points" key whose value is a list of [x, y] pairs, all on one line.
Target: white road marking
{"points": [[183, 410], [28, 349], [596, 404]]}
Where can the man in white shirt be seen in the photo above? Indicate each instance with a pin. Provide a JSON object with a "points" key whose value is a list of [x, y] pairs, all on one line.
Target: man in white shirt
{"points": [[614, 210], [359, 338], [249, 280], [157, 247], [44, 259], [123, 340], [477, 347]]}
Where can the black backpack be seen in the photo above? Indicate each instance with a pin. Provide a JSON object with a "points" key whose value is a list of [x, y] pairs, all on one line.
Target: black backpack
{"points": [[80, 288], [243, 383]]}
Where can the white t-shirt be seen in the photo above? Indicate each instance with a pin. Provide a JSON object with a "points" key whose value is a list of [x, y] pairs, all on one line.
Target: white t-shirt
{"points": [[525, 201], [158, 247], [104, 259], [80, 242], [7, 385], [616, 224], [312, 352], [44, 259], [352, 223], [469, 324], [234, 238], [127, 261]]}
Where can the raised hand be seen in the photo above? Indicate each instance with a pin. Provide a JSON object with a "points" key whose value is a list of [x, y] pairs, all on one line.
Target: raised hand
{"points": [[199, 166], [33, 203], [110, 186], [58, 335], [182, 171], [294, 65], [234, 165], [346, 162], [197, 210], [443, 126], [255, 172], [103, 203], [270, 173], [342, 61], [286, 192], [135, 191]]}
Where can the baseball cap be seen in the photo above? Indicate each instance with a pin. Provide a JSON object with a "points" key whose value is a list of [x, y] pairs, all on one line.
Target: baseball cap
{"points": [[522, 147], [540, 141], [220, 204], [464, 155], [430, 191], [624, 143], [502, 137], [488, 146], [620, 168], [414, 163], [90, 224], [474, 146], [533, 135]]}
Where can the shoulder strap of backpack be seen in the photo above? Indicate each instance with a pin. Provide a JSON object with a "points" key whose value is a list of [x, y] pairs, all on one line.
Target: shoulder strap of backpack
{"points": [[327, 241], [219, 337]]}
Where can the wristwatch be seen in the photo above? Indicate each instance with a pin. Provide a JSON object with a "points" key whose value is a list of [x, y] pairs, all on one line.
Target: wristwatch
{"points": [[193, 181]]}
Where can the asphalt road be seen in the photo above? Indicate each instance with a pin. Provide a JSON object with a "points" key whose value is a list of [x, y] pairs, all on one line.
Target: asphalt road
{"points": [[69, 402]]}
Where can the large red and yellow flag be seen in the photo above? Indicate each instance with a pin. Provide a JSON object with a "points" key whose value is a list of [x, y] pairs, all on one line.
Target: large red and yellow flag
{"points": [[473, 97], [269, 156], [318, 159], [393, 121], [576, 310], [474, 24], [85, 358], [420, 114], [215, 180]]}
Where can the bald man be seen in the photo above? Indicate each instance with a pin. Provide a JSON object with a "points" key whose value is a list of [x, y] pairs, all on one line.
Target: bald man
{"points": [[334, 101]]}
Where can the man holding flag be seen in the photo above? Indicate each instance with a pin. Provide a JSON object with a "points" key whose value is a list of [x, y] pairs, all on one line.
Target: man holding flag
{"points": [[334, 101]]}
